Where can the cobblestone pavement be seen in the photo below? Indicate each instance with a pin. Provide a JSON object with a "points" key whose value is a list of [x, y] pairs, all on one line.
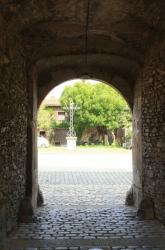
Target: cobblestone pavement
{"points": [[85, 178], [69, 196], [89, 223], [85, 210], [85, 188], [133, 247]]}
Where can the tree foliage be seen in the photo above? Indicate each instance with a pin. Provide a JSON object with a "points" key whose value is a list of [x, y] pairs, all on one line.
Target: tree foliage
{"points": [[46, 118], [99, 106]]}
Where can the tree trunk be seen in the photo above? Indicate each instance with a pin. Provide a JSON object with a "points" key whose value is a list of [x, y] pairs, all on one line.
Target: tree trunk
{"points": [[114, 137], [103, 134]]}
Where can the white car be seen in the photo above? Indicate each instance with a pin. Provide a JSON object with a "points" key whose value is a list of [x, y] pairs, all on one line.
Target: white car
{"points": [[42, 142]]}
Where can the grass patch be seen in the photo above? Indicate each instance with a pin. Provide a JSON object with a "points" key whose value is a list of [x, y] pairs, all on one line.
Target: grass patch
{"points": [[88, 148]]}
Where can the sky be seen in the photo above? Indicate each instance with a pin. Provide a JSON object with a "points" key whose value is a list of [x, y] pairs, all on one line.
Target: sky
{"points": [[57, 91]]}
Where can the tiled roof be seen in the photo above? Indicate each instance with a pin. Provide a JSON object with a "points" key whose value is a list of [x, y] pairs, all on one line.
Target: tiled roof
{"points": [[51, 101]]}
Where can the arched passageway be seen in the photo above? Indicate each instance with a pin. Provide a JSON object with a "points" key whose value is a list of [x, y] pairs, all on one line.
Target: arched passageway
{"points": [[84, 211], [95, 166], [52, 41], [118, 83]]}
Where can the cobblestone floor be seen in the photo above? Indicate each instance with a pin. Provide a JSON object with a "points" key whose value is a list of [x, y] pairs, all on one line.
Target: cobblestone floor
{"points": [[85, 188], [85, 210], [85, 178], [133, 247], [89, 223]]}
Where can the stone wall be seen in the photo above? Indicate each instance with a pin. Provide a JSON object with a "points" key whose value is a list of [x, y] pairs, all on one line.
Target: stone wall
{"points": [[13, 124], [44, 27], [153, 127], [149, 135]]}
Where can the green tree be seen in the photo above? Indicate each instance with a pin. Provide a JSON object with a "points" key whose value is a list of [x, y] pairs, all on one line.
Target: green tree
{"points": [[45, 118], [99, 106]]}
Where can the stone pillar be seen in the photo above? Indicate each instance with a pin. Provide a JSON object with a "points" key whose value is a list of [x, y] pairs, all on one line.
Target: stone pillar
{"points": [[2, 226], [29, 203], [32, 164], [134, 195], [153, 130], [137, 146], [148, 188]]}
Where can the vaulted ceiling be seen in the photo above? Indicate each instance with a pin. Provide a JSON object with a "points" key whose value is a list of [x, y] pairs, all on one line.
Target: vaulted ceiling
{"points": [[112, 34]]}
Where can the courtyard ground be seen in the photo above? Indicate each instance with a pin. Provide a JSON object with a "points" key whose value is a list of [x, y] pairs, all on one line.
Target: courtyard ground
{"points": [[85, 207]]}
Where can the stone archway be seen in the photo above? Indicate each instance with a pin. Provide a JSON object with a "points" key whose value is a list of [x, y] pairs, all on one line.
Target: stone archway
{"points": [[111, 69], [105, 39], [55, 164], [118, 82], [134, 99]]}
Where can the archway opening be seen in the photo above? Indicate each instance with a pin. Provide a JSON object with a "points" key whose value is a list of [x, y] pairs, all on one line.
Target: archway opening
{"points": [[102, 122]]}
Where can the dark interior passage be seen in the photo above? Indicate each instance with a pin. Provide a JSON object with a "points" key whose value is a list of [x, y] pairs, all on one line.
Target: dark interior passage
{"points": [[44, 43]]}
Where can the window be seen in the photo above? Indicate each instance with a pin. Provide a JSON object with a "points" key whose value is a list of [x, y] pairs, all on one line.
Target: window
{"points": [[61, 116]]}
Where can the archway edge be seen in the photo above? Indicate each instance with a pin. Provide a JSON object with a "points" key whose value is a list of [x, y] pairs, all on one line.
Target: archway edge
{"points": [[116, 71], [116, 82]]}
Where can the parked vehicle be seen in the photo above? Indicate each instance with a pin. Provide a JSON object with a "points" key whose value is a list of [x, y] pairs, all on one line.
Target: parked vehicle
{"points": [[42, 142]]}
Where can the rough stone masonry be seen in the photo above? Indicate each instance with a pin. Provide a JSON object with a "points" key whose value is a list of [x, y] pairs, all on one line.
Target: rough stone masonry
{"points": [[43, 43]]}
